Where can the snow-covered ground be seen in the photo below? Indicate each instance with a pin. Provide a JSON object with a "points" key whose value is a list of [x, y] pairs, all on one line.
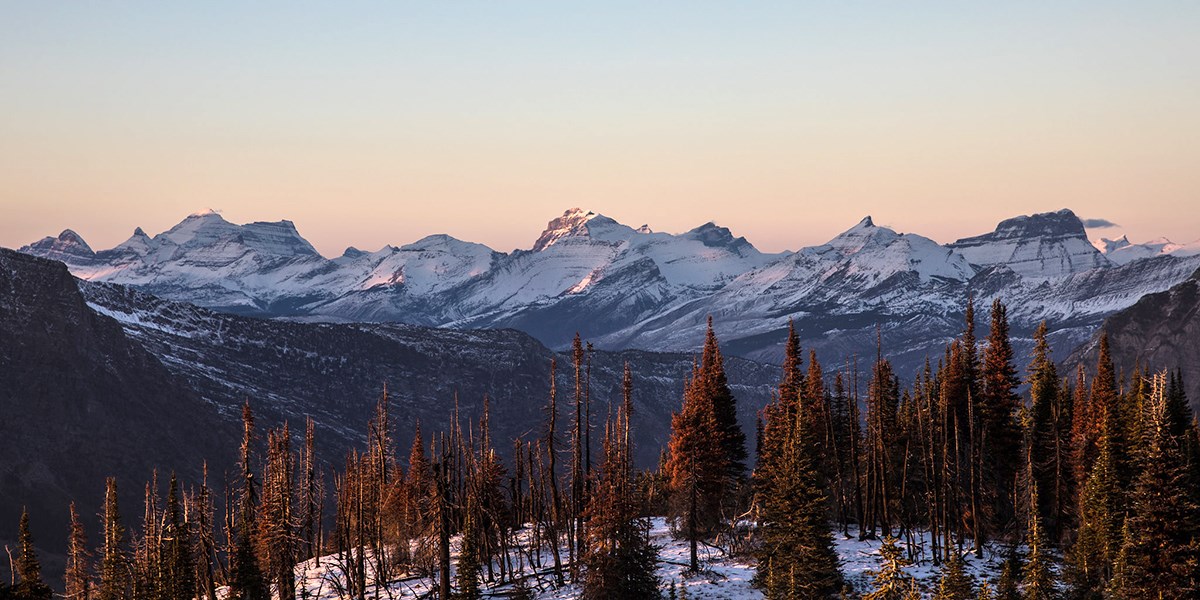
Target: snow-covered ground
{"points": [[722, 577]]}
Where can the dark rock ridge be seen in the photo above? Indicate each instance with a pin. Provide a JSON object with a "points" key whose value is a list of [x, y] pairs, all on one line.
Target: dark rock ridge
{"points": [[81, 401], [1159, 332]]}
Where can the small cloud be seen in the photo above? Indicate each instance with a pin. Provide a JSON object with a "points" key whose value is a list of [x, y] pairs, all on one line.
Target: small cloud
{"points": [[1098, 223]]}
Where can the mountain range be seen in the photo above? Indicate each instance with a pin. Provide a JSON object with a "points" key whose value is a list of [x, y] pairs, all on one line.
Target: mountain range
{"points": [[99, 379], [623, 287]]}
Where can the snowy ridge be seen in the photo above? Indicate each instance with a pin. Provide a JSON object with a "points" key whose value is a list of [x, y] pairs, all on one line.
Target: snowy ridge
{"points": [[1122, 252], [637, 288]]}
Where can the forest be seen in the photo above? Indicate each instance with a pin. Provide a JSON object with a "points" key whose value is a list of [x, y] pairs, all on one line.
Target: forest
{"points": [[1088, 482]]}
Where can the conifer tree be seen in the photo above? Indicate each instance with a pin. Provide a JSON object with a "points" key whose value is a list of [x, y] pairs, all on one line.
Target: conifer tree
{"points": [[796, 559], [1090, 560], [999, 429], [178, 576], [1043, 436], [696, 467], [469, 568], [29, 584], [1008, 586], [891, 581], [114, 565], [715, 384], [620, 561], [77, 578], [954, 583], [1160, 555], [246, 579], [1037, 574]]}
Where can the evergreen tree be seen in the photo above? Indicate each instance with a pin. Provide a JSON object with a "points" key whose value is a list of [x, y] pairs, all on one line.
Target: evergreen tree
{"points": [[1008, 586], [77, 578], [1042, 452], [179, 577], [469, 568], [114, 564], [955, 583], [891, 581], [1090, 560], [716, 385], [1160, 555], [696, 467], [246, 578], [619, 559], [1000, 431], [796, 559], [1037, 574], [29, 584]]}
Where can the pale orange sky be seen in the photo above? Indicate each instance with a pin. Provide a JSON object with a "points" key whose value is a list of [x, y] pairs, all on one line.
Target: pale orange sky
{"points": [[785, 122]]}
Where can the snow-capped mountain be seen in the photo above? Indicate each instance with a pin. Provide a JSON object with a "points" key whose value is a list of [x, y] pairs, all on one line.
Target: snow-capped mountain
{"points": [[1122, 252], [1044, 246], [625, 287]]}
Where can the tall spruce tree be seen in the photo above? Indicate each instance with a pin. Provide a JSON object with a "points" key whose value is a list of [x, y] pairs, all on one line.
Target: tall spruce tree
{"points": [[1000, 437], [716, 385], [796, 559], [178, 575], [1160, 555], [29, 584], [620, 562], [696, 467], [1037, 573], [1042, 454]]}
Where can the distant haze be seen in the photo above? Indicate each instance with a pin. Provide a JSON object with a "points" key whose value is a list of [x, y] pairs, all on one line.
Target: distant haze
{"points": [[369, 124]]}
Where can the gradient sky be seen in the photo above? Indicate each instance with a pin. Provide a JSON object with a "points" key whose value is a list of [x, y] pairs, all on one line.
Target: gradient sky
{"points": [[380, 123]]}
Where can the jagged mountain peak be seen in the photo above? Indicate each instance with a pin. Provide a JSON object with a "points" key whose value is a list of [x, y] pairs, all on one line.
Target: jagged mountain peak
{"points": [[65, 246], [1107, 246], [68, 236], [572, 223], [864, 233]]}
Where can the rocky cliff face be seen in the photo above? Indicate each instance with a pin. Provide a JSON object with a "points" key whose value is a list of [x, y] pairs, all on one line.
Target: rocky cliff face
{"points": [[1160, 331], [81, 401]]}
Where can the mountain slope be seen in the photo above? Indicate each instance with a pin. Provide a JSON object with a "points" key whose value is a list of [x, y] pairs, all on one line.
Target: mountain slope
{"points": [[81, 402], [336, 372], [1158, 332]]}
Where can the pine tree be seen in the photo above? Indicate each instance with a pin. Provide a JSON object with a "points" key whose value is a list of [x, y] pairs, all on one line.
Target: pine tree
{"points": [[1000, 436], [619, 559], [891, 581], [715, 384], [1160, 555], [469, 568], [1037, 574], [77, 578], [696, 467], [1043, 436], [114, 563], [955, 583], [179, 578], [1090, 560], [29, 584], [796, 559]]}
